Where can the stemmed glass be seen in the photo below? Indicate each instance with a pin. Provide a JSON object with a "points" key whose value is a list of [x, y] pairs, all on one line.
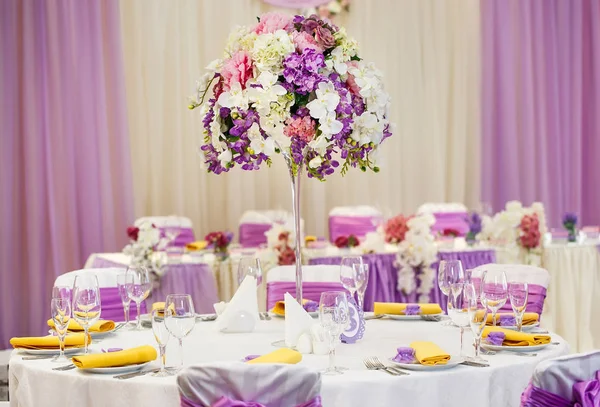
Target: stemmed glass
{"points": [[361, 278], [86, 305], [450, 279], [61, 291], [124, 281], [518, 293], [61, 315], [347, 277], [494, 291], [249, 266], [333, 318], [139, 289], [180, 319], [458, 313], [161, 334], [477, 318]]}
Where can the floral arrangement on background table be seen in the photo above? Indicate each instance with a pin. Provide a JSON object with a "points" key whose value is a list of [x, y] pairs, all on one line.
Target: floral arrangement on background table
{"points": [[475, 223], [395, 229], [143, 243], [295, 86], [280, 247], [331, 9], [570, 223], [346, 242], [219, 243]]}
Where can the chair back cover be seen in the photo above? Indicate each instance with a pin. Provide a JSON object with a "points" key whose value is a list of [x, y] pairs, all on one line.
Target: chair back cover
{"points": [[271, 385], [181, 223], [110, 299], [448, 216], [254, 224], [353, 220], [536, 277], [570, 380]]}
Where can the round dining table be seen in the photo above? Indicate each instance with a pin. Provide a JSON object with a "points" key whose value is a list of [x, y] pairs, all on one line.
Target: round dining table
{"points": [[34, 383]]}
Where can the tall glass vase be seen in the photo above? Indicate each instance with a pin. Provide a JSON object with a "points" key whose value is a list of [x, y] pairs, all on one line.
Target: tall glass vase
{"points": [[295, 174]]}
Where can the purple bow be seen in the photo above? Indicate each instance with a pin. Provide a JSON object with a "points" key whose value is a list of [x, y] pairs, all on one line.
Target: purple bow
{"points": [[587, 393], [496, 338], [227, 402], [311, 306], [507, 320], [412, 309], [405, 355]]}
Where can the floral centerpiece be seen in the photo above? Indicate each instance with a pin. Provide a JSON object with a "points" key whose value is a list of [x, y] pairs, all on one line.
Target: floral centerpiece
{"points": [[475, 224], [280, 246], [395, 229], [296, 87], [348, 242], [143, 243], [219, 242], [570, 223], [332, 8]]}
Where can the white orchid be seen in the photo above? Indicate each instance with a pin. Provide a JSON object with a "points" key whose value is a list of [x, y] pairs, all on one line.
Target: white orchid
{"points": [[235, 97], [329, 125], [367, 128], [338, 61], [326, 101], [225, 157], [315, 162], [258, 143], [262, 97], [320, 144]]}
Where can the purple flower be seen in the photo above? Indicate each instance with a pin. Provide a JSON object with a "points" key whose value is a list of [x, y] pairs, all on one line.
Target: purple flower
{"points": [[474, 220], [507, 320], [569, 220], [412, 309], [405, 355], [302, 71], [311, 306], [495, 338]]}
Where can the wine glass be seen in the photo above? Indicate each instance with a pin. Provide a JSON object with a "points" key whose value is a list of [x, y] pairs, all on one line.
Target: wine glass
{"points": [[494, 291], [180, 319], [518, 293], [249, 266], [161, 334], [361, 278], [124, 281], [458, 312], [61, 291], [139, 289], [450, 278], [477, 317], [61, 315], [347, 273], [86, 307], [333, 318]]}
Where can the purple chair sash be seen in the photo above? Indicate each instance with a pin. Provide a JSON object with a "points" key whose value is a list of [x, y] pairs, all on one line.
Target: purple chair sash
{"points": [[227, 402], [185, 236], [586, 393], [112, 306], [536, 397], [253, 234], [352, 225], [310, 291], [535, 298], [451, 220]]}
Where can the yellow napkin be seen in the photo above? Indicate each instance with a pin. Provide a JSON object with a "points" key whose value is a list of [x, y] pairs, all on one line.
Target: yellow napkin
{"points": [[514, 338], [133, 356], [48, 342], [99, 326], [394, 308], [196, 246], [529, 318], [309, 239], [279, 307], [282, 355], [428, 353]]}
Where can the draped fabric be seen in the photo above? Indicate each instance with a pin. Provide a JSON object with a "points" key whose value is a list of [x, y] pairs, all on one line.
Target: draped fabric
{"points": [[65, 169], [428, 52], [541, 98]]}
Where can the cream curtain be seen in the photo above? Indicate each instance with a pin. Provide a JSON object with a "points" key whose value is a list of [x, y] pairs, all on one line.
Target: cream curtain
{"points": [[428, 50]]}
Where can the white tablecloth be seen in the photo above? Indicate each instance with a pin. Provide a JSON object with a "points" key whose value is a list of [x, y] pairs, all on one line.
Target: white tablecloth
{"points": [[34, 384]]}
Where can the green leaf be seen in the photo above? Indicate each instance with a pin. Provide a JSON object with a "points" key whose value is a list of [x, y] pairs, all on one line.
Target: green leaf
{"points": [[355, 58]]}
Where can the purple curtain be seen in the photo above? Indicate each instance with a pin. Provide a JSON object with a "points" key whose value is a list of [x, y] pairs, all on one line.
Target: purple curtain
{"points": [[65, 173], [541, 104]]}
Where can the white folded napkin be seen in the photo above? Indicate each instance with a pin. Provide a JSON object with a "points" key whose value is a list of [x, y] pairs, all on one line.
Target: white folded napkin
{"points": [[297, 320], [244, 299]]}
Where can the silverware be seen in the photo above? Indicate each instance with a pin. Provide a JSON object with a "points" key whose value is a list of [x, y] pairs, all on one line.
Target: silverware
{"points": [[431, 318], [43, 357], [491, 353], [474, 364], [261, 316], [64, 368], [266, 316], [373, 363], [368, 317], [205, 318], [119, 326], [135, 374]]}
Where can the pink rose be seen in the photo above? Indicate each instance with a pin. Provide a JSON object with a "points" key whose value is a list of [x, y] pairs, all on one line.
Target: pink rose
{"points": [[303, 40], [324, 37], [271, 22], [132, 232], [237, 69]]}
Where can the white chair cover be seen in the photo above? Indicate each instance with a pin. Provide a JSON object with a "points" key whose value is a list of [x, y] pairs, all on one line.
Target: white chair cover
{"points": [[274, 385], [360, 210], [310, 274], [431, 207], [165, 221], [266, 217], [517, 272], [107, 277]]}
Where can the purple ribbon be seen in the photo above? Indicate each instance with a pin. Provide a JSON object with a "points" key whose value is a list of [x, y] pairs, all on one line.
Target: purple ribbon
{"points": [[495, 338], [586, 393], [352, 225], [227, 402], [311, 306], [412, 309], [405, 355], [508, 320], [185, 235], [250, 357], [310, 291], [253, 234], [451, 220], [112, 306]]}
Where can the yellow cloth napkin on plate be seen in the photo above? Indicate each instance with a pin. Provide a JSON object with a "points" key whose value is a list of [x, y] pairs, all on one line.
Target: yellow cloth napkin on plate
{"points": [[428, 353], [282, 355], [196, 246], [515, 338], [529, 318], [99, 326], [48, 342], [133, 356], [279, 307], [395, 308]]}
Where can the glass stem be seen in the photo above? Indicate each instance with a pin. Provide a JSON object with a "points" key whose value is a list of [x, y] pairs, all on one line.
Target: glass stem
{"points": [[477, 344], [494, 316], [126, 309], [462, 331], [332, 358], [295, 178], [85, 339], [519, 321], [139, 320], [61, 343], [180, 352], [163, 357], [361, 301]]}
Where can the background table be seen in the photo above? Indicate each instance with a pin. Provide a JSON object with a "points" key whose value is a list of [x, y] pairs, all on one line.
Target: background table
{"points": [[33, 383]]}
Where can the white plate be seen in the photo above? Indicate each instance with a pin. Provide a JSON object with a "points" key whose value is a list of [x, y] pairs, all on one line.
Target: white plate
{"points": [[453, 362], [526, 328], [116, 370], [531, 348], [146, 318], [92, 334], [410, 317], [68, 351], [314, 314]]}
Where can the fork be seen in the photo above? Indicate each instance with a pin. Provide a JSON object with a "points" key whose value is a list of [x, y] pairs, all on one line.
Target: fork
{"points": [[373, 363], [395, 368], [64, 368], [369, 364]]}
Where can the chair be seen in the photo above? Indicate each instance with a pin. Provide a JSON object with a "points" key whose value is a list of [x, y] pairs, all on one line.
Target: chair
{"points": [[355, 220], [254, 224], [178, 224], [237, 384], [315, 280], [536, 277], [112, 306], [447, 216], [572, 380]]}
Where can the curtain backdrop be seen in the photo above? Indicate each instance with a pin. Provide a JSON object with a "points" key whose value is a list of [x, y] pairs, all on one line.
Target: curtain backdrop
{"points": [[65, 172], [541, 90], [428, 51]]}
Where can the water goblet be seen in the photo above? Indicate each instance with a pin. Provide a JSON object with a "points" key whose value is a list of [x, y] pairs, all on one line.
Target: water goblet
{"points": [[477, 317], [450, 279], [139, 289], [458, 313], [61, 291], [249, 266], [494, 291], [161, 334], [347, 277], [361, 277], [124, 281], [333, 318], [86, 306], [61, 315], [180, 319], [518, 293]]}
